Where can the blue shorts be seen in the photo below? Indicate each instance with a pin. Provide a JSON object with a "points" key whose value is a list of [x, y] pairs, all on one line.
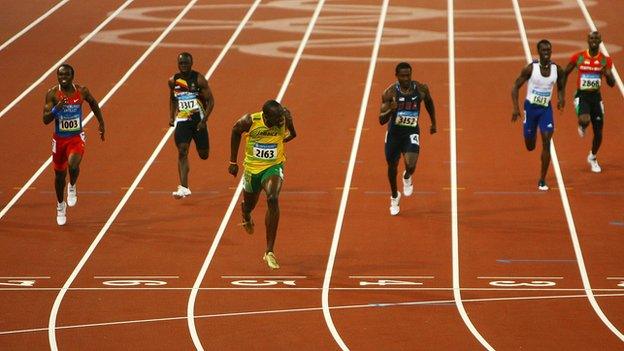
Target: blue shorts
{"points": [[535, 115], [397, 144]]}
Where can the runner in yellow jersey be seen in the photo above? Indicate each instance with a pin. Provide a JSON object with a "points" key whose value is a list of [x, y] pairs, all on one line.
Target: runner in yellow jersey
{"points": [[267, 131]]}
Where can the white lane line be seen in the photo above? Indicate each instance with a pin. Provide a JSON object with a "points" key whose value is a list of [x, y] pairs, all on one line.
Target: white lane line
{"points": [[190, 309], [164, 288], [24, 277], [564, 200], [392, 276], [347, 183], [603, 48], [453, 163], [31, 25], [85, 257], [519, 277], [265, 276], [137, 277], [62, 60], [615, 278], [303, 309]]}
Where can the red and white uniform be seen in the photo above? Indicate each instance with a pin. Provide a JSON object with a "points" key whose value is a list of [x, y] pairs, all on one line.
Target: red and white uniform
{"points": [[589, 69], [68, 137]]}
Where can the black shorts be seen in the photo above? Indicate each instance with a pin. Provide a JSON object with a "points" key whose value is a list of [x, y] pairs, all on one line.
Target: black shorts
{"points": [[590, 103], [187, 130], [400, 143]]}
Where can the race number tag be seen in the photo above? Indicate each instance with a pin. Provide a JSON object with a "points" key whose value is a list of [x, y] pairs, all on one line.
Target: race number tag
{"points": [[540, 97], [406, 118], [69, 125], [590, 81], [265, 151], [188, 105]]}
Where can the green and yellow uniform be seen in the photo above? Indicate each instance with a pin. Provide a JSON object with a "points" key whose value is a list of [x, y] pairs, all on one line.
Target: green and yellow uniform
{"points": [[264, 153]]}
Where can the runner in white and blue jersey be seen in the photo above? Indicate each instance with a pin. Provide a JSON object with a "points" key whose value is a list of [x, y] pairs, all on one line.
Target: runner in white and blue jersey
{"points": [[541, 75]]}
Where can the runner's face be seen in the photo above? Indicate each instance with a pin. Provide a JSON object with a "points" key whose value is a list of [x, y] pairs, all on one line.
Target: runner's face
{"points": [[275, 118], [593, 40], [184, 64], [545, 51], [64, 76], [404, 77]]}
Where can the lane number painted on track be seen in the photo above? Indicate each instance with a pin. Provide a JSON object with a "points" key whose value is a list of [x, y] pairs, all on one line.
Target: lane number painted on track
{"points": [[134, 282], [515, 283], [389, 282], [265, 282]]}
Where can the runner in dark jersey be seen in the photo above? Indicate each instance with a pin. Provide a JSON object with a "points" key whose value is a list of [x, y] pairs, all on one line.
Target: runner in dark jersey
{"points": [[591, 65], [190, 105], [63, 105], [400, 108]]}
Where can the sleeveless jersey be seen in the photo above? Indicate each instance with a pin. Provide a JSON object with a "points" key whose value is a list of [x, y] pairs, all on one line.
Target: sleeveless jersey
{"points": [[539, 89], [186, 93], [405, 119], [264, 146], [589, 69], [68, 121]]}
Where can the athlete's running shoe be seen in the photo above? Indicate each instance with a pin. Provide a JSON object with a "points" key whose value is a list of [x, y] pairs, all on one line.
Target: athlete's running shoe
{"points": [[581, 131], [394, 204], [541, 185], [61, 213], [593, 163], [408, 188], [270, 260], [247, 223], [72, 198], [182, 192]]}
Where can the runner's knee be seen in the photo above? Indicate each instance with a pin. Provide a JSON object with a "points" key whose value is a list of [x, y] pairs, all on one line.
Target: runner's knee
{"points": [[182, 150], [272, 200]]}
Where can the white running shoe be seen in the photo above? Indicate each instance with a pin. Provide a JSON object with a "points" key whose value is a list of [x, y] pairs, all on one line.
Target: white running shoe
{"points": [[182, 192], [71, 195], [394, 204], [593, 162], [581, 131], [541, 185], [61, 213], [408, 188]]}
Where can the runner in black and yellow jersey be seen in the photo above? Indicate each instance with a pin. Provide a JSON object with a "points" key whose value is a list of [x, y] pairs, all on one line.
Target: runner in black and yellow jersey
{"points": [[267, 131], [190, 105]]}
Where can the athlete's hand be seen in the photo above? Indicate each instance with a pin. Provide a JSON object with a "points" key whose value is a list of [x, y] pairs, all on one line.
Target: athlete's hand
{"points": [[560, 104], [102, 131], [514, 116], [233, 169], [433, 129], [393, 104], [171, 123], [201, 125]]}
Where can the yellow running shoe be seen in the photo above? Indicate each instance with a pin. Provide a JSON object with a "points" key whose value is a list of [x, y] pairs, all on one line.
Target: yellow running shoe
{"points": [[271, 261]]}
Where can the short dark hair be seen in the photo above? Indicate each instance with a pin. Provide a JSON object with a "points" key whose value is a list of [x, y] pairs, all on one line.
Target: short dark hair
{"points": [[270, 107], [402, 65], [186, 54], [543, 41], [67, 66]]}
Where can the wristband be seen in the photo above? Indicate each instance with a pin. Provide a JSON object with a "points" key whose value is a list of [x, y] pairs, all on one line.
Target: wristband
{"points": [[385, 113], [233, 163]]}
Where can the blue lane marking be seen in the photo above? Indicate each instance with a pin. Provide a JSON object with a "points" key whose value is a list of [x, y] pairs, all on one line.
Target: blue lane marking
{"points": [[618, 223], [507, 261]]}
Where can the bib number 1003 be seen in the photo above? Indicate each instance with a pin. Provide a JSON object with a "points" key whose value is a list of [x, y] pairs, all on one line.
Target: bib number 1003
{"points": [[69, 124]]}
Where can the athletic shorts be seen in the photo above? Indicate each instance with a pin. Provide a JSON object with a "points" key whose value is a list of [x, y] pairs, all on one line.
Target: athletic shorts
{"points": [[397, 144], [62, 147], [252, 183], [534, 116], [590, 103], [187, 130]]}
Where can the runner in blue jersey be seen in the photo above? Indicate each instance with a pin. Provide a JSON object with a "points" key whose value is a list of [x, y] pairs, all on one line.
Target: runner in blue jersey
{"points": [[542, 75], [400, 108], [191, 102]]}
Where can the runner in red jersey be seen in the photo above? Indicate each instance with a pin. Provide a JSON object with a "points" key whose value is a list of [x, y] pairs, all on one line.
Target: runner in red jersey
{"points": [[63, 105], [591, 65]]}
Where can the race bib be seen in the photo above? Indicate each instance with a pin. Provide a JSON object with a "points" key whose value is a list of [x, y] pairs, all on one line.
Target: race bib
{"points": [[590, 81], [69, 125], [188, 105], [406, 118], [539, 97], [265, 151]]}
